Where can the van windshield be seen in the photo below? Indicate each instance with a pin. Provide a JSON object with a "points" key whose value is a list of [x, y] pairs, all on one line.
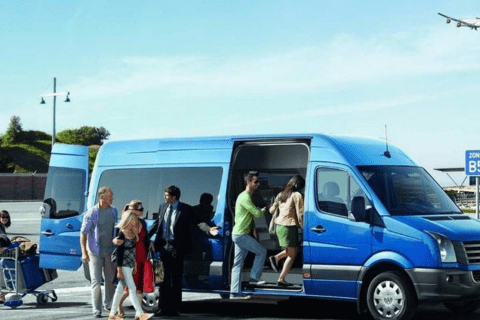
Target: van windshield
{"points": [[408, 190]]}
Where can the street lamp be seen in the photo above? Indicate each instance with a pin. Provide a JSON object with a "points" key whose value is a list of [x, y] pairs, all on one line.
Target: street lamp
{"points": [[54, 95]]}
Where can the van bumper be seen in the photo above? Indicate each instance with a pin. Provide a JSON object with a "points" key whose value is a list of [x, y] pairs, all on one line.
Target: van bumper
{"points": [[444, 284]]}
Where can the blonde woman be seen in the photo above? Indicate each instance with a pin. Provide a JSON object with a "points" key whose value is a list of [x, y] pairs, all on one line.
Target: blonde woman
{"points": [[143, 274], [289, 202], [130, 227]]}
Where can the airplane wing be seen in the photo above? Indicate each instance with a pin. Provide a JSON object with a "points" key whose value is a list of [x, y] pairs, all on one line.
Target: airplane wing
{"points": [[444, 16], [459, 22]]}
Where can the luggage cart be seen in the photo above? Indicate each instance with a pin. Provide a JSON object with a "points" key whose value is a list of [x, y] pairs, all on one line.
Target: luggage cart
{"points": [[22, 276]]}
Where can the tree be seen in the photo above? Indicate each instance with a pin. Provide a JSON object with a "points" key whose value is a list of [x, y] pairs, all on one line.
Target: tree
{"points": [[85, 136], [102, 134], [6, 163], [14, 132]]}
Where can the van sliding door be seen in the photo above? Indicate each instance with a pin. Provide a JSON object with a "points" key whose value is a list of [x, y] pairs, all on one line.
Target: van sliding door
{"points": [[277, 161]]}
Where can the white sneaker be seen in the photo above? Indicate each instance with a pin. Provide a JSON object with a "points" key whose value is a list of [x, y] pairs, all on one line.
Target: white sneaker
{"points": [[256, 283], [239, 296]]}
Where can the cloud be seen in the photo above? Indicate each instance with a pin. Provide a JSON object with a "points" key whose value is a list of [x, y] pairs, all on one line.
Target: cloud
{"points": [[341, 65], [343, 61]]}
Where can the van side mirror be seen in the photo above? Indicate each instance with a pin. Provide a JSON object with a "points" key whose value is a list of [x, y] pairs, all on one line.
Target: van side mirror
{"points": [[358, 209]]}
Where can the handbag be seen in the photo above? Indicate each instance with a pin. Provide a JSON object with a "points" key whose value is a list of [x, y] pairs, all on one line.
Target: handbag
{"points": [[273, 225], [158, 269]]}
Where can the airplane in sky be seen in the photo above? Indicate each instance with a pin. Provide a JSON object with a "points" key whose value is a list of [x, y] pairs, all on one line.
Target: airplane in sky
{"points": [[472, 23]]}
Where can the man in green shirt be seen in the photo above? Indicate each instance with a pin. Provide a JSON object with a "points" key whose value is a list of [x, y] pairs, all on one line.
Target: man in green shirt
{"points": [[245, 212]]}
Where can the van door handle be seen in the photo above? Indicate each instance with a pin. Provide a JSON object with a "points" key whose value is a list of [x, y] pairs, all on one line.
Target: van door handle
{"points": [[319, 229], [47, 233]]}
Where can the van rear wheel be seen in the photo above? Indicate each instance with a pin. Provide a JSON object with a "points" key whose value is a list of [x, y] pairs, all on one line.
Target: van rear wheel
{"points": [[389, 297], [463, 307], [150, 301]]}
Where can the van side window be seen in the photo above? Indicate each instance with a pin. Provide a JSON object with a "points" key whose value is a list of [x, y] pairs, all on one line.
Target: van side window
{"points": [[335, 191], [148, 184]]}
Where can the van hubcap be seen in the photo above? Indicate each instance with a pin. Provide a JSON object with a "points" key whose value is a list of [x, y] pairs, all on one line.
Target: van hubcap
{"points": [[150, 301], [388, 299]]}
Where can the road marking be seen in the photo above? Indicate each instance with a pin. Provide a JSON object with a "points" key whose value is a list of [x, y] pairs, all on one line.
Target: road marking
{"points": [[72, 290]]}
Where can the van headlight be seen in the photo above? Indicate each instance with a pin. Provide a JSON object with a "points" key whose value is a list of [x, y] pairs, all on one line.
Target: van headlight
{"points": [[445, 247]]}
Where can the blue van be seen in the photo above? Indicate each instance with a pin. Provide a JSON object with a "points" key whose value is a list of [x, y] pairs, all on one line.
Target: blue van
{"points": [[378, 230]]}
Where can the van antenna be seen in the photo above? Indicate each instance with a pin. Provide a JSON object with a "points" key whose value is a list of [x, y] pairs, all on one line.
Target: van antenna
{"points": [[386, 153]]}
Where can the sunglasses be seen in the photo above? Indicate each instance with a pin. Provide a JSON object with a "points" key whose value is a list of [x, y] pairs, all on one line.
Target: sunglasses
{"points": [[4, 217], [139, 209]]}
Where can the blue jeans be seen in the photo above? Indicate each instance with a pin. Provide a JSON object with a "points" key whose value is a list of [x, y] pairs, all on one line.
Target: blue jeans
{"points": [[243, 244], [97, 264]]}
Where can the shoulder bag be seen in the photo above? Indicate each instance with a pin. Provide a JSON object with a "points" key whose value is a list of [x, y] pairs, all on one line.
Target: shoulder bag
{"points": [[273, 225]]}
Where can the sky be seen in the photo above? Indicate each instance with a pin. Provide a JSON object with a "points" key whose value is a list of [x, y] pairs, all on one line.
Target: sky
{"points": [[155, 69]]}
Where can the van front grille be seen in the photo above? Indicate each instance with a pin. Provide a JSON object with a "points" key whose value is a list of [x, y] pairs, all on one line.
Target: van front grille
{"points": [[472, 249]]}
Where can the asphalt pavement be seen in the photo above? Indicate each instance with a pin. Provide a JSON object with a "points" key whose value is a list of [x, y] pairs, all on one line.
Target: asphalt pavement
{"points": [[74, 300]]}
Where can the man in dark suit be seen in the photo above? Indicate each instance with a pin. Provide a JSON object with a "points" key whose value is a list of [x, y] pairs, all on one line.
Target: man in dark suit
{"points": [[173, 241]]}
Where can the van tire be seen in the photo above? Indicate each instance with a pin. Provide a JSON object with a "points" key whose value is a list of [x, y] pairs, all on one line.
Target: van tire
{"points": [[462, 307], [390, 296], [150, 301]]}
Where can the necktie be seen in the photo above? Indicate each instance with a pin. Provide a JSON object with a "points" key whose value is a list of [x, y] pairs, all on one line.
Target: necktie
{"points": [[169, 222]]}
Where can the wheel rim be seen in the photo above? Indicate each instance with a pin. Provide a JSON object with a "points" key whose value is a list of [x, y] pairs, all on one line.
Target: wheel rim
{"points": [[150, 300], [388, 299]]}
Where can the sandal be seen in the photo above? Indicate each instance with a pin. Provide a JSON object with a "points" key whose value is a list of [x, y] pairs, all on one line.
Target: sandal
{"points": [[283, 284], [144, 316], [273, 263], [121, 312], [116, 316]]}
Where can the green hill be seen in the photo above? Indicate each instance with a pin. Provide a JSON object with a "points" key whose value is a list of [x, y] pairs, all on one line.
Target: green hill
{"points": [[25, 157], [29, 151], [32, 157]]}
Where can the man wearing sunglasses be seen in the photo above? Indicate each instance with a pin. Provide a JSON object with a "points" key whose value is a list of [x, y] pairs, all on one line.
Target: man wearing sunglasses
{"points": [[245, 212]]}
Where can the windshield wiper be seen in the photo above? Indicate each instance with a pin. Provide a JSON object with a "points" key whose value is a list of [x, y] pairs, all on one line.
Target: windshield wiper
{"points": [[450, 212]]}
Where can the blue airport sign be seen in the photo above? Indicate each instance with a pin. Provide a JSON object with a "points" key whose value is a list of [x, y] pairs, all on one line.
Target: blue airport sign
{"points": [[472, 162]]}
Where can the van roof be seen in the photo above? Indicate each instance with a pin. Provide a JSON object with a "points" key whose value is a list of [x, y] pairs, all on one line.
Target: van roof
{"points": [[354, 150]]}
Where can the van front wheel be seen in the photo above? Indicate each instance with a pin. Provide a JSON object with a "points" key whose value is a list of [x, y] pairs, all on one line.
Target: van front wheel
{"points": [[389, 297]]}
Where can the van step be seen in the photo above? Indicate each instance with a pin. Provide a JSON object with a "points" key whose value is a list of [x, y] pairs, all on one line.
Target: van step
{"points": [[260, 299], [270, 285]]}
